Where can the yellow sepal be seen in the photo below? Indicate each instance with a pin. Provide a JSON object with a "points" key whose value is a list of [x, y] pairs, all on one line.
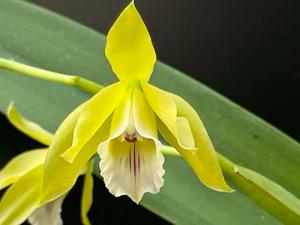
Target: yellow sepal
{"points": [[120, 118], [165, 108], [20, 165], [203, 160], [22, 198], [92, 115], [59, 174], [144, 117], [129, 49]]}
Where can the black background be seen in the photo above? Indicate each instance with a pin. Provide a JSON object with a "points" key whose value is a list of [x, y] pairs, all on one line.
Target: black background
{"points": [[248, 50]]}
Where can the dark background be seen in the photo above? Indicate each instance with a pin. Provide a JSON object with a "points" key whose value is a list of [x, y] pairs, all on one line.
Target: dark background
{"points": [[248, 50]]}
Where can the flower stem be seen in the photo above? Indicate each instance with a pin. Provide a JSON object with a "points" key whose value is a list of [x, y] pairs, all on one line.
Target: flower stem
{"points": [[75, 81], [168, 150], [226, 165]]}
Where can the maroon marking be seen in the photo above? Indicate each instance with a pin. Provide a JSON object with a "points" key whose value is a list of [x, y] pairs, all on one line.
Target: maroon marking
{"points": [[130, 160], [139, 164], [134, 162], [130, 137]]}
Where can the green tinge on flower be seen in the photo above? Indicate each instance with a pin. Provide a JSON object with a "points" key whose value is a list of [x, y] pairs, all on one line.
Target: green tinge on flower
{"points": [[122, 122]]}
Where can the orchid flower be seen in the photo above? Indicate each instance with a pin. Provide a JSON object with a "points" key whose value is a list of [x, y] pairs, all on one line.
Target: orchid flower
{"points": [[24, 177], [121, 122]]}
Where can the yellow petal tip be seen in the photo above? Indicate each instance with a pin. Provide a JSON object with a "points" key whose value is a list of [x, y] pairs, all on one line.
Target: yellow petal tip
{"points": [[226, 189], [11, 107]]}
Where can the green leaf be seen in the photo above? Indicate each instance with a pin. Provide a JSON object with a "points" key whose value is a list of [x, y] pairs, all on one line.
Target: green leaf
{"points": [[58, 44]]}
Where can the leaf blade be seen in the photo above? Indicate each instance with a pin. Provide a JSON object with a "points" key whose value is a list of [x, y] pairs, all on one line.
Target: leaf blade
{"points": [[71, 50]]}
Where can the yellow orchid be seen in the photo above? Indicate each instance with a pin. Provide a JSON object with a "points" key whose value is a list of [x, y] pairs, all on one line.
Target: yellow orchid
{"points": [[24, 175], [121, 122]]}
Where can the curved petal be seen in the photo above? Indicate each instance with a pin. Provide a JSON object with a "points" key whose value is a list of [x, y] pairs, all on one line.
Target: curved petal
{"points": [[77, 139], [29, 128], [129, 49], [131, 168], [59, 175], [121, 115], [93, 114], [48, 214], [203, 160], [87, 194], [20, 165], [22, 198], [55, 165], [165, 108], [144, 117], [184, 132]]}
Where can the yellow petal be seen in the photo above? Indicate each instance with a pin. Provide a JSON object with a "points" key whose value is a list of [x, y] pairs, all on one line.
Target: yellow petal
{"points": [[121, 115], [60, 176], [184, 132], [129, 49], [78, 137], [22, 198], [93, 114], [144, 117], [20, 165], [165, 108], [54, 184], [203, 160], [87, 194], [29, 128]]}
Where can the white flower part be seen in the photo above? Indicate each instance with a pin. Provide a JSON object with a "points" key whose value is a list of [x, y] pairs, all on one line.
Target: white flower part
{"points": [[131, 162], [131, 168], [48, 214]]}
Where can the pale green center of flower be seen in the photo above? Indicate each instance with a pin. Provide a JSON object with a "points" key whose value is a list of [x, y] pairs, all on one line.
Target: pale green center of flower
{"points": [[134, 83]]}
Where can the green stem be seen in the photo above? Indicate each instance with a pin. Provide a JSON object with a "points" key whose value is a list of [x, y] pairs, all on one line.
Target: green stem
{"points": [[168, 150], [75, 81], [226, 165]]}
